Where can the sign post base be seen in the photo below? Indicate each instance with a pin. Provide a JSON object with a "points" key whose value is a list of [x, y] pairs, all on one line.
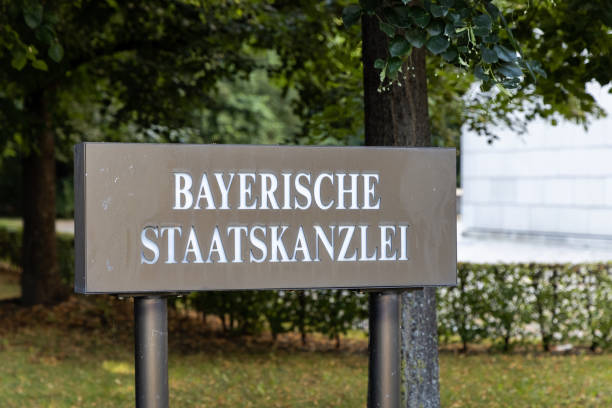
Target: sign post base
{"points": [[151, 351]]}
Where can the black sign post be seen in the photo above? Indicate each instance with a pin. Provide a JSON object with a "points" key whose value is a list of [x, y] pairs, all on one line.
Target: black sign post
{"points": [[151, 351], [384, 368]]}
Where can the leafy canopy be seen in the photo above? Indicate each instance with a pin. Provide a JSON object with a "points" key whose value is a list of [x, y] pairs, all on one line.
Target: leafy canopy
{"points": [[471, 34]]}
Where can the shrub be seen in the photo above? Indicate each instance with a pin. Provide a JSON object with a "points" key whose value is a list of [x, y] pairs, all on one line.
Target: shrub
{"points": [[499, 302]]}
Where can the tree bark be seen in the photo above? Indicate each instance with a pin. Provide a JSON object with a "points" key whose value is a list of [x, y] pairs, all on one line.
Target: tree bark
{"points": [[40, 280], [399, 117]]}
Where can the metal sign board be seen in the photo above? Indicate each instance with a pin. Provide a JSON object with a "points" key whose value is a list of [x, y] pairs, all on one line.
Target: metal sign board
{"points": [[154, 218]]}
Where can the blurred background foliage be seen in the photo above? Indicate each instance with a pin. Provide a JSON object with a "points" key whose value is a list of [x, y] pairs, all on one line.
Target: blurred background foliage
{"points": [[273, 72]]}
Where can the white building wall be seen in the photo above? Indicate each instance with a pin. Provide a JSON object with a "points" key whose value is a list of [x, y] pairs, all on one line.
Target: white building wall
{"points": [[553, 180]]}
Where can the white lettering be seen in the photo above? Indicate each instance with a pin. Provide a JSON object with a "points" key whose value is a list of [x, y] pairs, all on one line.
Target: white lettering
{"points": [[386, 244], [320, 236], [259, 244], [403, 244], [267, 192], [276, 245], [350, 230], [205, 193], [237, 241], [171, 231], [369, 193], [150, 245], [317, 190], [287, 191], [301, 245], [342, 191], [184, 191], [224, 189], [245, 191], [194, 247], [302, 190], [364, 245], [216, 245]]}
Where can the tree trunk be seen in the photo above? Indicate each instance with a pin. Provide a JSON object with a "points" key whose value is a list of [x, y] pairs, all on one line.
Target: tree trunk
{"points": [[507, 342], [399, 117], [40, 280]]}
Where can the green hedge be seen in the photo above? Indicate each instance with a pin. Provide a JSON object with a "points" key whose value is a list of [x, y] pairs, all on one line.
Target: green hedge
{"points": [[506, 303], [501, 304], [331, 312]]}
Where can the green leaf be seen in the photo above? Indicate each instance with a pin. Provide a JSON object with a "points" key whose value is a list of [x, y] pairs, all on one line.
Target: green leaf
{"points": [[56, 51], [45, 33], [489, 56], [438, 11], [420, 17], [491, 39], [387, 29], [504, 53], [33, 14], [394, 65], [482, 20], [482, 25], [416, 37], [437, 44], [510, 70], [351, 14], [435, 27], [400, 16], [380, 63], [450, 55], [536, 67], [513, 83], [40, 65], [399, 46], [455, 18], [19, 60], [449, 30], [492, 9], [447, 3], [480, 74]]}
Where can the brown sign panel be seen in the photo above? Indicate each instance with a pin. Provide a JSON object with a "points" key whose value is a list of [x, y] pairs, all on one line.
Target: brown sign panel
{"points": [[176, 218]]}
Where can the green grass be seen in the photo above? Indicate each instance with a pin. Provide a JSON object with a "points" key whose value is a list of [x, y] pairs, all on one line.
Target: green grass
{"points": [[526, 380], [39, 368], [11, 223], [45, 366]]}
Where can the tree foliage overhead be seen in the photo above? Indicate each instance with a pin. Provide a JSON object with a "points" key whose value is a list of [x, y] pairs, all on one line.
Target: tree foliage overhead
{"points": [[573, 40], [149, 62], [472, 34]]}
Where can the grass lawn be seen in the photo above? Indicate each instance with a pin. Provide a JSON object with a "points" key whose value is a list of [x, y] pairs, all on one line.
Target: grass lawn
{"points": [[11, 223], [55, 367], [526, 381], [80, 354]]}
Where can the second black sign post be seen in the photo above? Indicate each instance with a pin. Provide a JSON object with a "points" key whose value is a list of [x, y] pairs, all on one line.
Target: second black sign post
{"points": [[384, 348]]}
